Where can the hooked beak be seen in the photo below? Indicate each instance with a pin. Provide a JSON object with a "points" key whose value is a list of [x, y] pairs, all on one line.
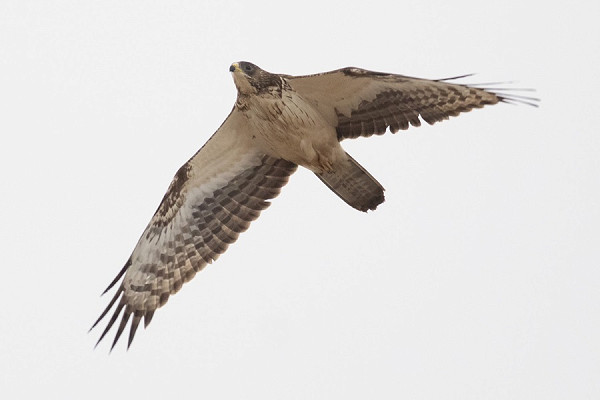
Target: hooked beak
{"points": [[235, 67]]}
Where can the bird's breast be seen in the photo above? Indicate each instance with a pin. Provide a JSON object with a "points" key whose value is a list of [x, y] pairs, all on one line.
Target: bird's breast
{"points": [[289, 127]]}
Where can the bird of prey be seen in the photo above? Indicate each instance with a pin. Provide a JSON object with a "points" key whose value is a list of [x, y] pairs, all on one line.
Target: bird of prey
{"points": [[278, 122]]}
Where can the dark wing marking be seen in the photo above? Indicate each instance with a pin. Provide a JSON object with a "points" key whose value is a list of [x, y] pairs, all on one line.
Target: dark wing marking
{"points": [[398, 109], [363, 103], [199, 217]]}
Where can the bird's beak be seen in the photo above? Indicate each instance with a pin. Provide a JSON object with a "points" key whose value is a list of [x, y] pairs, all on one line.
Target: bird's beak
{"points": [[235, 67]]}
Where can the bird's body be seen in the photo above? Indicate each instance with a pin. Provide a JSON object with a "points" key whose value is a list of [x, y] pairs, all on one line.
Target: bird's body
{"points": [[312, 143], [278, 123]]}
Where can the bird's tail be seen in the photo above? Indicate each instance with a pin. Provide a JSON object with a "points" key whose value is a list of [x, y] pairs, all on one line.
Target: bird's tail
{"points": [[353, 184]]}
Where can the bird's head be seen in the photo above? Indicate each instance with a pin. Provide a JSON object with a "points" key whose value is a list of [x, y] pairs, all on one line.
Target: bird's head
{"points": [[250, 79]]}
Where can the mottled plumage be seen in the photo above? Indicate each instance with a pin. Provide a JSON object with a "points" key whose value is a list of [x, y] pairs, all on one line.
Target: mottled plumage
{"points": [[278, 122]]}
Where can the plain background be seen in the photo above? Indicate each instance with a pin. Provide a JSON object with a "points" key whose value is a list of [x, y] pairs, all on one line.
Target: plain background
{"points": [[478, 278]]}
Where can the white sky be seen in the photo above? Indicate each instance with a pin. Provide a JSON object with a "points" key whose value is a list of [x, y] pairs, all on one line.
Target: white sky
{"points": [[478, 278]]}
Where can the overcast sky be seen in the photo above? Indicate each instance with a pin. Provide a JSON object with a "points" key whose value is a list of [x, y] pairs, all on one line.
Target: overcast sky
{"points": [[478, 278]]}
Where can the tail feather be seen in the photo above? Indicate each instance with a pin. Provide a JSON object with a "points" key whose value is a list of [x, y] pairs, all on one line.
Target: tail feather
{"points": [[353, 184]]}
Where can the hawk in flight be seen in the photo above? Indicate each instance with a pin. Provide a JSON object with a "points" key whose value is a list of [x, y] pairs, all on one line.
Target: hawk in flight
{"points": [[278, 122]]}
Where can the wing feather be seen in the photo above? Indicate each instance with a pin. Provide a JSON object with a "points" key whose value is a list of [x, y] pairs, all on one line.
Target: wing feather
{"points": [[364, 103], [211, 200]]}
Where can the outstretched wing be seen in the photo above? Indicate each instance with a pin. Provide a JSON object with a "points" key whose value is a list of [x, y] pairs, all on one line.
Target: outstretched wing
{"points": [[212, 198], [362, 103]]}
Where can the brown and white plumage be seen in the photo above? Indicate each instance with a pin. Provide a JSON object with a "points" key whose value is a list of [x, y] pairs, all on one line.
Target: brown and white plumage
{"points": [[277, 123]]}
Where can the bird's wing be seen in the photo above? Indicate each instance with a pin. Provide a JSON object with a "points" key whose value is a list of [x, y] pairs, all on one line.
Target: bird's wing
{"points": [[212, 198], [363, 103]]}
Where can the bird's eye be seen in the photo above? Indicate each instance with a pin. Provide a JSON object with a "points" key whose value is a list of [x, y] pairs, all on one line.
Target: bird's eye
{"points": [[248, 68]]}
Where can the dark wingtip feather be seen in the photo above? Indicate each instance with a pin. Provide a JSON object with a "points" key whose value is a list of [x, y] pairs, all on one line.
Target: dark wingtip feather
{"points": [[148, 318], [111, 322], [507, 95], [516, 99], [112, 302], [119, 275], [124, 320], [454, 77], [504, 94], [137, 317]]}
